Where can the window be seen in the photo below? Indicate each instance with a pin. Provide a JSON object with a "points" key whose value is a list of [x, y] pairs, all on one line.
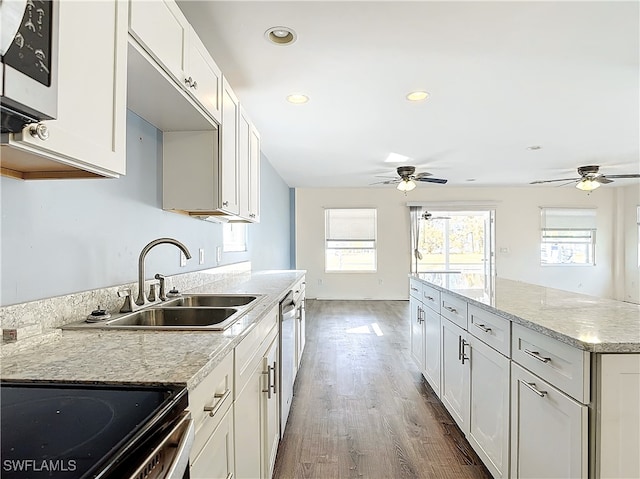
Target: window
{"points": [[568, 236], [350, 240], [234, 237]]}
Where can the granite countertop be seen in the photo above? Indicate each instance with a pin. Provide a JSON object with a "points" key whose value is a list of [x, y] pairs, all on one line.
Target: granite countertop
{"points": [[585, 322], [149, 357]]}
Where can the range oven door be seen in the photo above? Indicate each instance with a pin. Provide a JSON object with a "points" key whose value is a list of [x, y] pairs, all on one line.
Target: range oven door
{"points": [[29, 55]]}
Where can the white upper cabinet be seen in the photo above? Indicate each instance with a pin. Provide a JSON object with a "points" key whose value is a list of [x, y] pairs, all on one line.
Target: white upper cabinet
{"points": [[88, 137], [204, 78], [254, 175], [163, 30], [229, 159], [248, 168], [163, 39]]}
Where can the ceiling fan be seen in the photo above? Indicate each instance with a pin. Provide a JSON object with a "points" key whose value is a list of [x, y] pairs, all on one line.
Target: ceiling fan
{"points": [[408, 177], [590, 178]]}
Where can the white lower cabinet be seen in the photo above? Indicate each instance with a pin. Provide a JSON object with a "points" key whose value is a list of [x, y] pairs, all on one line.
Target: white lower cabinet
{"points": [[549, 430], [257, 426], [455, 373], [417, 333], [489, 406], [432, 349], [216, 459]]}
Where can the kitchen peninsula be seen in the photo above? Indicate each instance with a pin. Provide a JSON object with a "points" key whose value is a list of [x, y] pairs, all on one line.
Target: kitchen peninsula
{"points": [[530, 372]]}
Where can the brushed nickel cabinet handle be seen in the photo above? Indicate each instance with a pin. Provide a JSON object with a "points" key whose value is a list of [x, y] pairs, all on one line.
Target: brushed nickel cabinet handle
{"points": [[414, 289], [429, 298], [533, 387], [453, 310], [536, 355], [221, 397], [483, 327], [462, 355], [39, 131], [225, 203]]}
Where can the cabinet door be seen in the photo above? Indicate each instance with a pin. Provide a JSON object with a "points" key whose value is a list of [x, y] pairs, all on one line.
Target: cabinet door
{"points": [[254, 175], [548, 430], [454, 391], [216, 460], [89, 132], [229, 150], [416, 333], [206, 78], [244, 168], [489, 403], [248, 426], [432, 349], [271, 424], [163, 31]]}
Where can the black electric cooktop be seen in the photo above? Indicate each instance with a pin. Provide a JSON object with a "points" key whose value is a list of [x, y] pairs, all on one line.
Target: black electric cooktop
{"points": [[78, 430]]}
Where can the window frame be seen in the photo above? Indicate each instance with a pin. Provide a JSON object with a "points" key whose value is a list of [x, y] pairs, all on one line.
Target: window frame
{"points": [[372, 241], [559, 234]]}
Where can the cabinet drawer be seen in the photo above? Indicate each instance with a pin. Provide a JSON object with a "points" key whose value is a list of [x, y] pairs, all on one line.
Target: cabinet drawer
{"points": [[213, 395], [563, 366], [252, 348], [491, 329], [415, 288], [431, 298], [454, 309]]}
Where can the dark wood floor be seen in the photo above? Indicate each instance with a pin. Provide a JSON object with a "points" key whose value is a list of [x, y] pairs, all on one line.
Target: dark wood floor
{"points": [[362, 409]]}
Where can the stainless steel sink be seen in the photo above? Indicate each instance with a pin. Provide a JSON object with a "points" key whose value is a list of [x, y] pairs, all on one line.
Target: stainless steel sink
{"points": [[211, 300], [175, 318]]}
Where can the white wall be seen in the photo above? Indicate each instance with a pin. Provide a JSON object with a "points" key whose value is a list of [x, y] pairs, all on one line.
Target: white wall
{"points": [[517, 228]]}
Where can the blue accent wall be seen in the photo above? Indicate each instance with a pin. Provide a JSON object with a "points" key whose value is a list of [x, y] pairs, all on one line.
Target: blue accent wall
{"points": [[65, 236]]}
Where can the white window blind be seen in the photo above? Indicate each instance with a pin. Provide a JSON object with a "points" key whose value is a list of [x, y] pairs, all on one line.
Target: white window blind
{"points": [[568, 218], [568, 236], [350, 239]]}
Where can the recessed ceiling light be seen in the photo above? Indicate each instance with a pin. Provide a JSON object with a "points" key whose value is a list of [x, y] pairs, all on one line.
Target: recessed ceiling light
{"points": [[417, 95], [534, 147], [281, 35], [297, 98], [396, 158]]}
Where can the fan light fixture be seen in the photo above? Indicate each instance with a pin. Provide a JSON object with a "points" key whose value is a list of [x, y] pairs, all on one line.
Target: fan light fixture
{"points": [[406, 185], [587, 185]]}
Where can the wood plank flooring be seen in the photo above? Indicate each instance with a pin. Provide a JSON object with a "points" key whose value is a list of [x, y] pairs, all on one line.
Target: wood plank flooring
{"points": [[361, 407]]}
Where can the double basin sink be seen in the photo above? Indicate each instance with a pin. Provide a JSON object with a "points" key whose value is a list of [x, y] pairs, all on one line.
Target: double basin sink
{"points": [[210, 312]]}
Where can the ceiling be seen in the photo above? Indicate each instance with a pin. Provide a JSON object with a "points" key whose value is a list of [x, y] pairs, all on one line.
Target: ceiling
{"points": [[502, 77]]}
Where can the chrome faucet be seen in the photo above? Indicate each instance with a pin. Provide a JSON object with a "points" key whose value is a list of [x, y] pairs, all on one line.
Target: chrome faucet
{"points": [[142, 297]]}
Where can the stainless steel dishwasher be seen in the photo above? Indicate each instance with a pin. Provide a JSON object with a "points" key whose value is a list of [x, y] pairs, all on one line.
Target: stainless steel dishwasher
{"points": [[286, 356]]}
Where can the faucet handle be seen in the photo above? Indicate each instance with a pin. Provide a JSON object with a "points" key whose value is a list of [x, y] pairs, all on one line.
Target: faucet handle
{"points": [[152, 291], [127, 307], [161, 278]]}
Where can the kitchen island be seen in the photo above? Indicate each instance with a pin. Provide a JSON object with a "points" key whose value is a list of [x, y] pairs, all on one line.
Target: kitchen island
{"points": [[530, 372]]}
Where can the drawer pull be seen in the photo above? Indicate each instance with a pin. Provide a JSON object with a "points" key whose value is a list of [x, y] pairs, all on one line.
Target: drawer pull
{"points": [[536, 355], [221, 398], [453, 310], [483, 327], [270, 386], [429, 298], [462, 355], [230, 475], [533, 387], [414, 289]]}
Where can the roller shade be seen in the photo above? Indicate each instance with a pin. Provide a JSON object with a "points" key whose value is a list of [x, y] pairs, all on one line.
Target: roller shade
{"points": [[351, 224], [568, 218]]}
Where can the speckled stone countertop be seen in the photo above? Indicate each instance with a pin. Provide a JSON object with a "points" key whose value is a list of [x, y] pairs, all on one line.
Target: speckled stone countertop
{"points": [[585, 322], [149, 357]]}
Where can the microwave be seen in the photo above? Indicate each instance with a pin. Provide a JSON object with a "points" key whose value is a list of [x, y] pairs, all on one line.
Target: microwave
{"points": [[29, 54]]}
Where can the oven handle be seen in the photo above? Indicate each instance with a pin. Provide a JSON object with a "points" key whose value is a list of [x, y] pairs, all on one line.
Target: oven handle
{"points": [[181, 438], [180, 462]]}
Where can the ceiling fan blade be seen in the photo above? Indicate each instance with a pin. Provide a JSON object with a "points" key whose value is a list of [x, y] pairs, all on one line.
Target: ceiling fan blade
{"points": [[388, 177], [602, 180], [552, 181], [386, 182], [440, 181], [621, 176], [423, 174], [568, 183]]}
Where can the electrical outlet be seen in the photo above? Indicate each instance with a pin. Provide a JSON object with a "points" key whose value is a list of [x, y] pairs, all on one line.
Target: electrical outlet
{"points": [[183, 259], [319, 282], [218, 254], [380, 282]]}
